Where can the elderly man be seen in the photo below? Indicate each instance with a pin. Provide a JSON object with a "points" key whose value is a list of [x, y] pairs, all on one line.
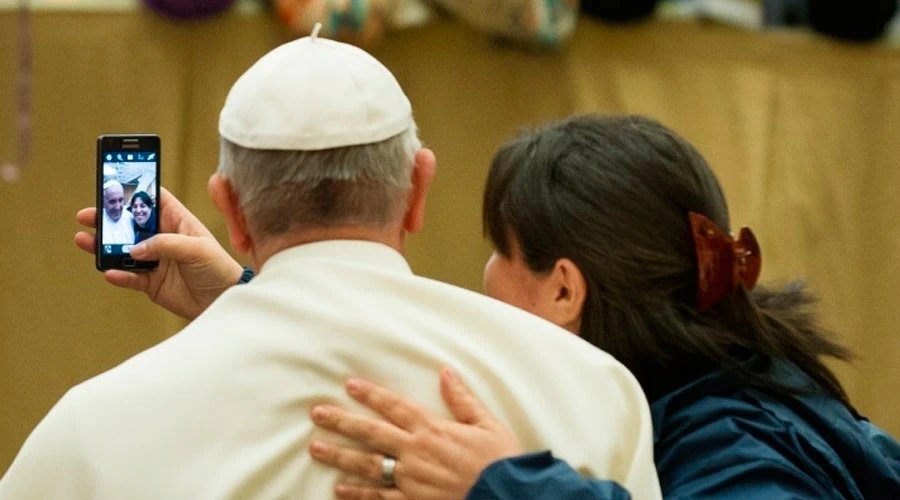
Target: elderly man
{"points": [[118, 226], [321, 179]]}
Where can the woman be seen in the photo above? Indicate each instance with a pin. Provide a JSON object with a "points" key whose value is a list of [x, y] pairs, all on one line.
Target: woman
{"points": [[144, 220], [742, 404]]}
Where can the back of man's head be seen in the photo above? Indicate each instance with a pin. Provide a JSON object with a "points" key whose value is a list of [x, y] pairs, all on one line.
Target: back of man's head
{"points": [[318, 134]]}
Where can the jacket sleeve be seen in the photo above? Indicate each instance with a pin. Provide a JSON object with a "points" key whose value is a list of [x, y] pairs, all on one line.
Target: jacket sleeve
{"points": [[540, 476], [736, 451], [758, 479]]}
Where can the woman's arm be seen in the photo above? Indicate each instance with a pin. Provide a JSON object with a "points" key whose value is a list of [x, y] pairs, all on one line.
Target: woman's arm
{"points": [[722, 453], [540, 476]]}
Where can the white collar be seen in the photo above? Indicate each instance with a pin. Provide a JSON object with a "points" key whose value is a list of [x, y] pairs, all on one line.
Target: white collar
{"points": [[367, 252]]}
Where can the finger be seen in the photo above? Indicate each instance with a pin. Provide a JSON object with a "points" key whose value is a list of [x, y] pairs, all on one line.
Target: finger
{"points": [[176, 218], [87, 217], [464, 406], [364, 464], [390, 405], [355, 492], [86, 241], [371, 432], [166, 196], [175, 247], [125, 279]]}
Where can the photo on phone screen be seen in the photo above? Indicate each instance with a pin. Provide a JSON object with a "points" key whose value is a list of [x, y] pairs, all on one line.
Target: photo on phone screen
{"points": [[128, 194]]}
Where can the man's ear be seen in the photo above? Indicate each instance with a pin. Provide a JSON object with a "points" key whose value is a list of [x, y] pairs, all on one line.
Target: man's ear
{"points": [[422, 175], [568, 290], [225, 198]]}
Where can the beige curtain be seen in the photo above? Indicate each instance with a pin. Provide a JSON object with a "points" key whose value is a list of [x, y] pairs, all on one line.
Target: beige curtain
{"points": [[802, 132]]}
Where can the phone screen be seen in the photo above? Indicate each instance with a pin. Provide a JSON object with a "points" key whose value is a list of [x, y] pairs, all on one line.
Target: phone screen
{"points": [[127, 198]]}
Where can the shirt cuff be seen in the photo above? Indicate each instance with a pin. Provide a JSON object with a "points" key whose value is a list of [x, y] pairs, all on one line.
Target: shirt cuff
{"points": [[246, 276]]}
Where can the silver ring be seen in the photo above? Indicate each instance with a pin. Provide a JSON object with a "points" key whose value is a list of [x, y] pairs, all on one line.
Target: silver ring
{"points": [[388, 464]]}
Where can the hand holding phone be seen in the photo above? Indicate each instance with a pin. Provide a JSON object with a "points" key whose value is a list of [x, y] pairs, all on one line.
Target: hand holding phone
{"points": [[193, 269], [128, 212]]}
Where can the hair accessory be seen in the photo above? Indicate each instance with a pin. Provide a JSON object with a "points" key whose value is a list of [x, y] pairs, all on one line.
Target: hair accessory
{"points": [[722, 262]]}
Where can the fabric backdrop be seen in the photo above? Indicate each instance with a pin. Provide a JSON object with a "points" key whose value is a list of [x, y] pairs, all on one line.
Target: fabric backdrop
{"points": [[802, 132]]}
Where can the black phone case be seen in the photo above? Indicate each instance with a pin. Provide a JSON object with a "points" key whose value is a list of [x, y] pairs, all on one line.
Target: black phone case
{"points": [[122, 143]]}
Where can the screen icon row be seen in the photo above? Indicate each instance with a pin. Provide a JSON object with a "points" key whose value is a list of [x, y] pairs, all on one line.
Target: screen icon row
{"points": [[124, 248], [131, 157]]}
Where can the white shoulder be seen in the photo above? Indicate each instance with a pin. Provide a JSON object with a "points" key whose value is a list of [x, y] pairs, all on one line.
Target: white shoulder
{"points": [[50, 463]]}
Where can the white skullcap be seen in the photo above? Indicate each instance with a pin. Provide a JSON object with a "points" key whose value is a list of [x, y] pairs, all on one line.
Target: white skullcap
{"points": [[112, 183], [313, 94]]}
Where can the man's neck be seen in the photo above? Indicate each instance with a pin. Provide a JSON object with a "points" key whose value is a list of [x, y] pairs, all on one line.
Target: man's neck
{"points": [[392, 237]]}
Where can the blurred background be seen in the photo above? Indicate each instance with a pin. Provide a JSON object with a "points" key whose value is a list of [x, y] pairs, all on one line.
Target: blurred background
{"points": [[795, 103]]}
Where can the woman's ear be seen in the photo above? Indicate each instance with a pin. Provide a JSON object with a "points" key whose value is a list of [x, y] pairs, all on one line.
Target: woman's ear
{"points": [[569, 291]]}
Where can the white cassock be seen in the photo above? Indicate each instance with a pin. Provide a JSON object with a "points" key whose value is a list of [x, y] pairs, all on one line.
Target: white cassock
{"points": [[221, 409], [120, 232]]}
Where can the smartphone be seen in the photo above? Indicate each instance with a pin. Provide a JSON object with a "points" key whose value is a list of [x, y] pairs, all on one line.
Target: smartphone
{"points": [[128, 211]]}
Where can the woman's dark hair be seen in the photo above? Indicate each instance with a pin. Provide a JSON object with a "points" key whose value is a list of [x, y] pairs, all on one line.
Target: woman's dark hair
{"points": [[144, 197], [612, 194]]}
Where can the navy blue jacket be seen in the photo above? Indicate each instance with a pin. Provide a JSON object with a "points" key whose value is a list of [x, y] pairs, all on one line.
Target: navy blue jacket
{"points": [[715, 438]]}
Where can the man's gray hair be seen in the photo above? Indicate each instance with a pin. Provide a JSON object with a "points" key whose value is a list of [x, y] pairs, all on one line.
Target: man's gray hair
{"points": [[353, 185]]}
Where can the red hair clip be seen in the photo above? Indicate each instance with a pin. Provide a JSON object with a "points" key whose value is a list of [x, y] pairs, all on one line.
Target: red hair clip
{"points": [[722, 262]]}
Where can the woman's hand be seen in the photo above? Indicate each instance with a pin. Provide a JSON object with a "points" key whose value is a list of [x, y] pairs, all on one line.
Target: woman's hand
{"points": [[437, 458]]}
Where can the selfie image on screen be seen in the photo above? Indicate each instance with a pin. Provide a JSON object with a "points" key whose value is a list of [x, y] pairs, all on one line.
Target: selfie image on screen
{"points": [[128, 200]]}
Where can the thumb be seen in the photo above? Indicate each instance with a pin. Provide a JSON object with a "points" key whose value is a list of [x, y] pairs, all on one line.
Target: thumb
{"points": [[125, 279], [174, 247], [464, 406]]}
